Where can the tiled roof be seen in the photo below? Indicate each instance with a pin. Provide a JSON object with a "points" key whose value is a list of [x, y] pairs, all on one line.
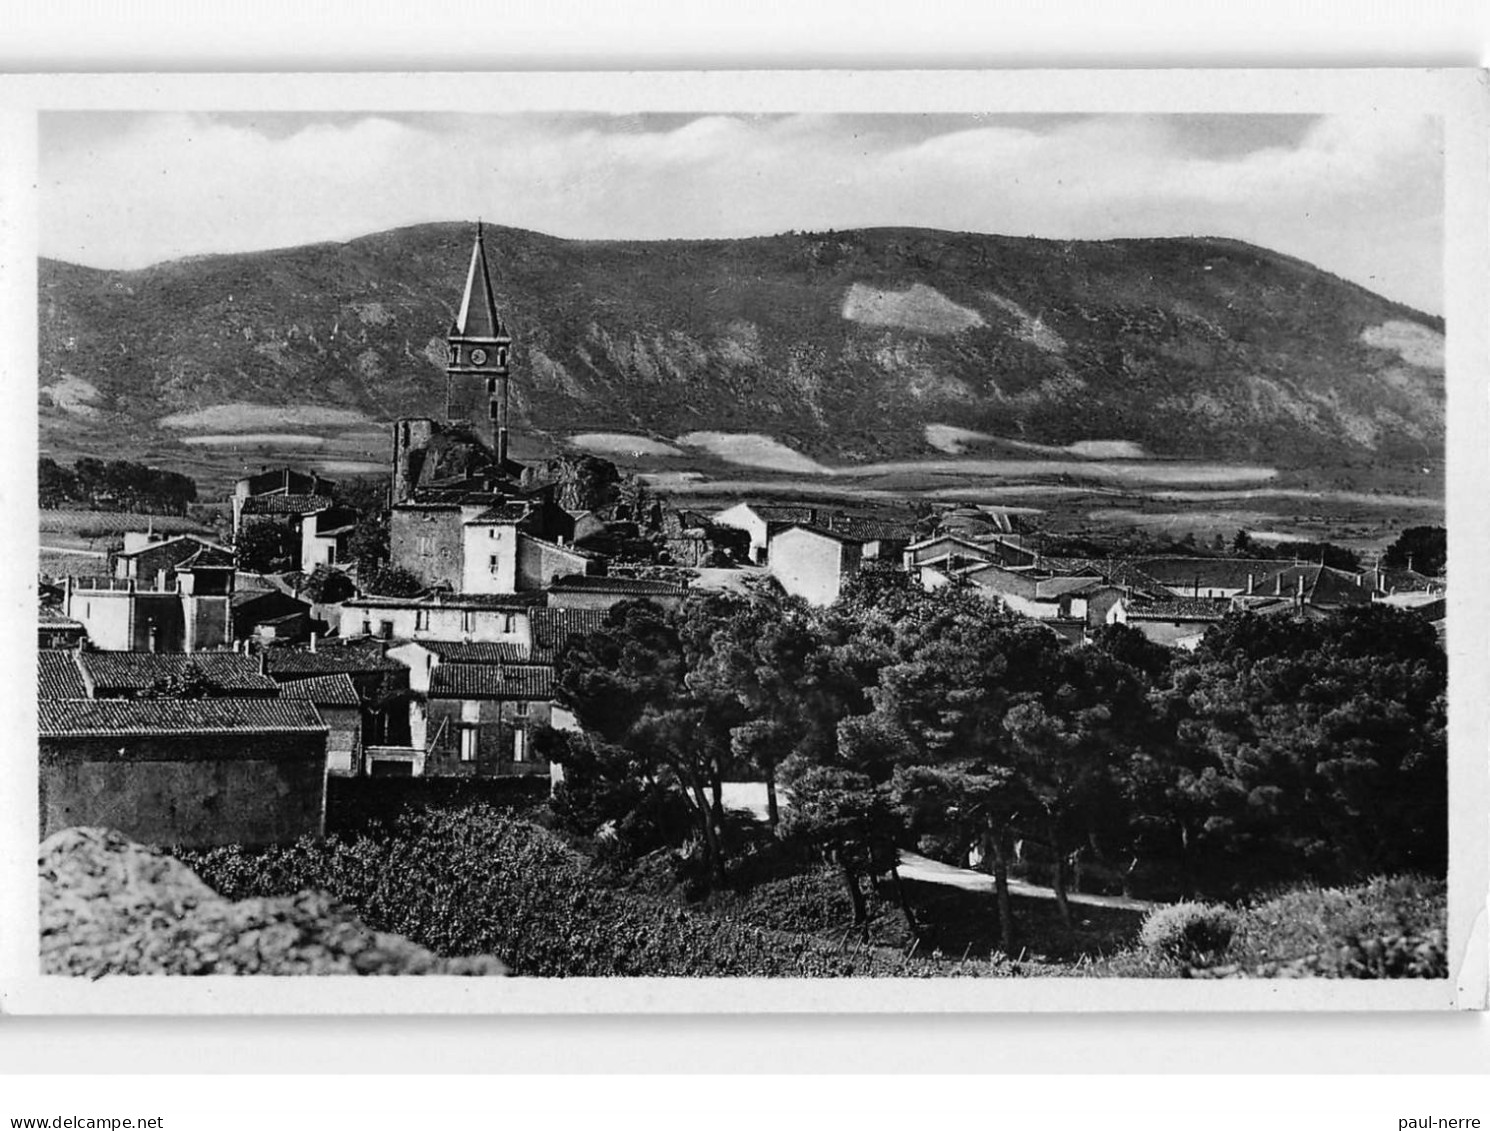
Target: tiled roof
{"points": [[328, 660], [980, 550], [503, 513], [582, 555], [51, 618], [57, 675], [1059, 586], [551, 628], [515, 601], [1182, 608], [149, 547], [208, 556], [113, 673], [491, 681], [779, 512], [77, 718], [627, 586], [477, 652], [284, 504], [1214, 573], [323, 690], [821, 531], [867, 529]]}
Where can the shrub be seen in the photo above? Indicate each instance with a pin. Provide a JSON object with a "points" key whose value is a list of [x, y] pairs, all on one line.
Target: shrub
{"points": [[1197, 933], [1389, 927]]}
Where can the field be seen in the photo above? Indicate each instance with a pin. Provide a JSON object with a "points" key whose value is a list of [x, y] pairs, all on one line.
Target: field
{"points": [[477, 880], [74, 524], [76, 542]]}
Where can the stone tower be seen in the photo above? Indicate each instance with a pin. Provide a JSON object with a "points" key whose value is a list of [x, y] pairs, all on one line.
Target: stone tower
{"points": [[480, 344]]}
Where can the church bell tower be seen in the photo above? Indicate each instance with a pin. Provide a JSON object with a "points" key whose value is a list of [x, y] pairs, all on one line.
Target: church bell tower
{"points": [[480, 344]]}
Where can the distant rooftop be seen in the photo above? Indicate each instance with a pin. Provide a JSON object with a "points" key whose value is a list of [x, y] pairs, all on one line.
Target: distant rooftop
{"points": [[284, 504], [624, 586]]}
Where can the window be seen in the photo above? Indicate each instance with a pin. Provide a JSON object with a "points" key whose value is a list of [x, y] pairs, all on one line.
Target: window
{"points": [[468, 744], [421, 619], [520, 708], [519, 746], [509, 622], [468, 620], [385, 629], [494, 563]]}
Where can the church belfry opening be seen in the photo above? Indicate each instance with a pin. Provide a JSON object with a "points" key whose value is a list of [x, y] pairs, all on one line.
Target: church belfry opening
{"points": [[479, 344]]}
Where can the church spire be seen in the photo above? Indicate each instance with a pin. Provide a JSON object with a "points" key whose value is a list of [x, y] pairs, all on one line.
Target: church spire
{"points": [[480, 344], [478, 316]]}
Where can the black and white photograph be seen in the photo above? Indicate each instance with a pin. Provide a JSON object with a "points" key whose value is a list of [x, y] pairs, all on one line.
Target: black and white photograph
{"points": [[988, 545]]}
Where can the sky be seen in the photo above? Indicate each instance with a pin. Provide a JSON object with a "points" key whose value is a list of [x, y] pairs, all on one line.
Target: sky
{"points": [[1359, 195]]}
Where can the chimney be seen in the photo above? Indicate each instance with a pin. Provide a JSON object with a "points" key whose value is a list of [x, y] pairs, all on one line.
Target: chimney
{"points": [[1278, 586], [1251, 583], [264, 662], [312, 642]]}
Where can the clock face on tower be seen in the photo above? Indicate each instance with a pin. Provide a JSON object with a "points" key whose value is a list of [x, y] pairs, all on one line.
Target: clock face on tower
{"points": [[478, 357]]}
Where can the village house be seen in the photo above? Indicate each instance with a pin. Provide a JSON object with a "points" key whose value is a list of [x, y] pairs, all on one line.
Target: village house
{"points": [[440, 616], [1178, 622], [194, 772], [131, 675], [381, 683], [603, 592], [337, 702], [234, 766], [294, 493], [691, 538], [814, 564], [324, 537], [270, 615], [53, 630], [473, 709], [761, 521], [947, 554]]}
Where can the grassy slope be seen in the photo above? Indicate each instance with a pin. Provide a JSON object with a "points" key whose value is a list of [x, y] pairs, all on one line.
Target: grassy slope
{"points": [[1165, 341]]}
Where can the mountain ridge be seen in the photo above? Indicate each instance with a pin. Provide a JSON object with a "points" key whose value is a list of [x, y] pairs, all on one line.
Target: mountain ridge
{"points": [[844, 345]]}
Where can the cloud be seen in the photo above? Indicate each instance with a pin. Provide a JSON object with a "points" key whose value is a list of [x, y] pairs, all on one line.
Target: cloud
{"points": [[1360, 194]]}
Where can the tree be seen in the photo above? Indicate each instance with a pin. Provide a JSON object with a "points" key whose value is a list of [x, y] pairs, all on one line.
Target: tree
{"points": [[267, 547], [854, 823], [963, 666], [1310, 749], [627, 685], [368, 543], [1420, 548], [389, 581], [1069, 747], [789, 681]]}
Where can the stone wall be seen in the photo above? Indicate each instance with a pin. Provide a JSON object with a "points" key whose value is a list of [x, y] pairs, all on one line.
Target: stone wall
{"points": [[197, 791]]}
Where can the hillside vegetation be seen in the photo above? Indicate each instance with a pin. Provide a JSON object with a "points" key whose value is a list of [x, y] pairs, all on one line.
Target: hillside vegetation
{"points": [[477, 881], [844, 346]]}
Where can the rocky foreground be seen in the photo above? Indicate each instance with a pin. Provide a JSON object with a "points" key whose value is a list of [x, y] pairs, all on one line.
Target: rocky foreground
{"points": [[111, 906]]}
